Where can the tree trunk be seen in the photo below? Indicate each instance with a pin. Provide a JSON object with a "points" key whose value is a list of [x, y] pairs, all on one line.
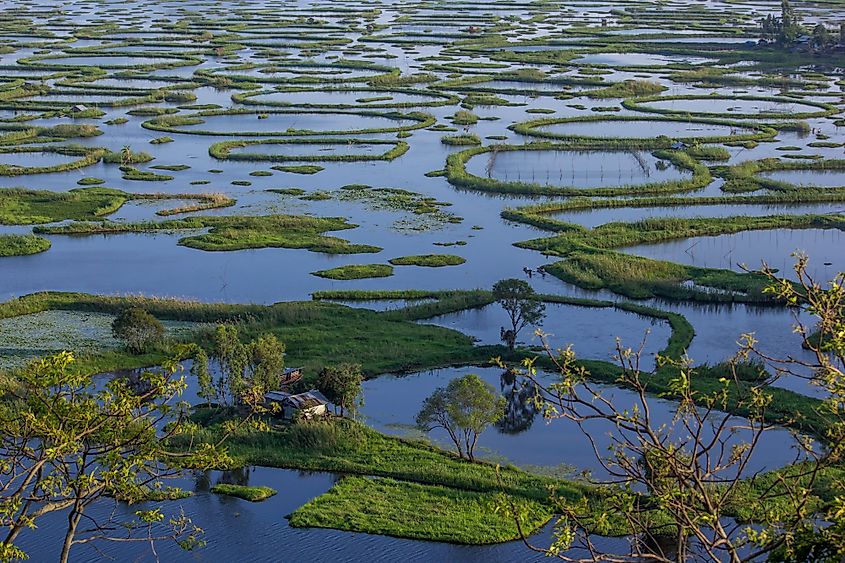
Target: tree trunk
{"points": [[72, 522]]}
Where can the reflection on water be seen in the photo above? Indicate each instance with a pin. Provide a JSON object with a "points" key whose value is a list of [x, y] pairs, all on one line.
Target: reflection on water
{"points": [[235, 527], [525, 438], [520, 403]]}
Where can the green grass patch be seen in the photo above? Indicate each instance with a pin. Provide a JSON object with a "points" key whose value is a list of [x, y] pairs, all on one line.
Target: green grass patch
{"points": [[22, 245], [590, 260], [461, 140], [428, 260], [246, 492], [628, 89], [356, 272], [409, 510], [299, 168]]}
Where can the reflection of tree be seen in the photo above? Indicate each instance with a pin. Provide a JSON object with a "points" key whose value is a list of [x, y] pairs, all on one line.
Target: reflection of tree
{"points": [[239, 476], [203, 479], [520, 406]]}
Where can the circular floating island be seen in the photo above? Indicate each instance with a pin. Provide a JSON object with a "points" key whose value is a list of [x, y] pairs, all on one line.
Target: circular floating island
{"points": [[738, 107], [634, 127]]}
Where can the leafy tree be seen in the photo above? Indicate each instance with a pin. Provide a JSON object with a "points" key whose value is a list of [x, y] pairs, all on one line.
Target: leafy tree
{"points": [[784, 29], [821, 36], [265, 361], [790, 25], [66, 443], [518, 299], [244, 371], [138, 329], [341, 384], [464, 409]]}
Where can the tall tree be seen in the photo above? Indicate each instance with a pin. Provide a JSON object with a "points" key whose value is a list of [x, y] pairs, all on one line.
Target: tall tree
{"points": [[138, 329], [66, 443], [341, 384], [242, 369], [790, 26], [464, 409], [518, 299]]}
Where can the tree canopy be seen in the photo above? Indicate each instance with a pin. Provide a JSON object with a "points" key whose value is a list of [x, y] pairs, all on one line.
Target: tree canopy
{"points": [[519, 301], [464, 409]]}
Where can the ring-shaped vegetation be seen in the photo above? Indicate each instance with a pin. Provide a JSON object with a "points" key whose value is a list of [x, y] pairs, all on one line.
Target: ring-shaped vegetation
{"points": [[87, 157], [745, 176], [458, 176], [525, 82], [823, 109], [594, 258], [182, 123], [300, 72], [758, 132], [172, 61], [88, 83], [287, 40], [371, 98], [223, 150], [114, 98]]}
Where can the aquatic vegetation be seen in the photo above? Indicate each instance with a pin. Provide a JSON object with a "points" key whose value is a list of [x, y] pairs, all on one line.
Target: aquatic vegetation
{"points": [[552, 116], [86, 156], [192, 124], [428, 260], [246, 492], [356, 272], [591, 260], [440, 513], [27, 207], [628, 89], [458, 176], [30, 207], [746, 176], [464, 117], [422, 212], [228, 233], [461, 140], [22, 245], [224, 150], [29, 336], [299, 168], [814, 108], [738, 131]]}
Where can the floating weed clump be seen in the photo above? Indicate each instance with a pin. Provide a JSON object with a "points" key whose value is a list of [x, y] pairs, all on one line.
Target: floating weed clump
{"points": [[299, 168], [428, 260], [356, 272], [22, 245], [245, 492]]}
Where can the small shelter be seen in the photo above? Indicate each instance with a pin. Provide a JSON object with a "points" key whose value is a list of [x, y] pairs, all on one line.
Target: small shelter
{"points": [[309, 404], [79, 108]]}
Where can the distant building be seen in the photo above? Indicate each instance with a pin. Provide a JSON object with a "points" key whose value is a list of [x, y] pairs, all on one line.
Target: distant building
{"points": [[79, 108], [309, 404]]}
